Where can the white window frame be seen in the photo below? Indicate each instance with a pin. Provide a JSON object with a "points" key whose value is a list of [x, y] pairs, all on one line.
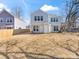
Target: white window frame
{"points": [[1, 19], [8, 19]]}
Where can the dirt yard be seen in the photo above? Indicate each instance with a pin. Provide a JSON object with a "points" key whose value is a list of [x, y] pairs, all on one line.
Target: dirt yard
{"points": [[42, 46]]}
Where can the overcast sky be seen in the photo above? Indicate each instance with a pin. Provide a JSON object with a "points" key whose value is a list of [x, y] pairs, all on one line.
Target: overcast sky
{"points": [[29, 6]]}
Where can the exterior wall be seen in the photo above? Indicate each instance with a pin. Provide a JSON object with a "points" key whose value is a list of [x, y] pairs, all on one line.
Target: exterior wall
{"points": [[40, 24], [39, 13], [19, 24], [58, 23], [45, 26], [41, 29], [52, 28], [5, 17]]}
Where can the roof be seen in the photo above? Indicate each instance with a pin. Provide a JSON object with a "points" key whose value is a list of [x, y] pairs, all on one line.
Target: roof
{"points": [[54, 15], [39, 11], [5, 11], [49, 15], [19, 20]]}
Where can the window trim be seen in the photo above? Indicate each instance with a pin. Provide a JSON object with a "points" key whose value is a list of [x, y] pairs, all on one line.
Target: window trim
{"points": [[1, 20]]}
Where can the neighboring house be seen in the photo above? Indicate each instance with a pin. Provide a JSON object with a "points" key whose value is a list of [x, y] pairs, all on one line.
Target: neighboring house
{"points": [[6, 20], [77, 23], [42, 22], [19, 24], [75, 26]]}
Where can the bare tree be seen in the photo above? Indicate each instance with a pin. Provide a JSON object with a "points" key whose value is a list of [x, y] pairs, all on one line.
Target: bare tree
{"points": [[72, 10], [17, 11]]}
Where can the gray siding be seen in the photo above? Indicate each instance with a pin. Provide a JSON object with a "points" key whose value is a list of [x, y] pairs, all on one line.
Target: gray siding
{"points": [[6, 20]]}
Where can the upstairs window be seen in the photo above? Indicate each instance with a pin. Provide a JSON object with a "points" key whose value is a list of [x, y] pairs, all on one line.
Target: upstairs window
{"points": [[41, 18], [54, 19], [35, 18], [9, 20], [1, 19], [38, 18]]}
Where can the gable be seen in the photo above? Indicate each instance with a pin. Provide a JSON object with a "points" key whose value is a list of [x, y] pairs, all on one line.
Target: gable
{"points": [[39, 12], [5, 13]]}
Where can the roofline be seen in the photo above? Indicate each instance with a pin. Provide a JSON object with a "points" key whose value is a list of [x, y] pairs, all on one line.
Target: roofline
{"points": [[7, 12]]}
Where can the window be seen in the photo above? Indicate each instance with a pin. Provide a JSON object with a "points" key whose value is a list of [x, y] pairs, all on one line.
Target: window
{"points": [[35, 18], [51, 20], [35, 28], [1, 19], [7, 20], [56, 19], [41, 18], [38, 18], [55, 28], [10, 20]]}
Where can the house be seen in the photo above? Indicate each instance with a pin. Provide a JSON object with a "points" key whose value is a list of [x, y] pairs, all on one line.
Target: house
{"points": [[75, 26], [6, 20], [42, 22], [9, 21], [19, 23]]}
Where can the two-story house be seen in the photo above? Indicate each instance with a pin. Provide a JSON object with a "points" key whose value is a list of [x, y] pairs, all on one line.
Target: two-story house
{"points": [[9, 21], [6, 20], [42, 22]]}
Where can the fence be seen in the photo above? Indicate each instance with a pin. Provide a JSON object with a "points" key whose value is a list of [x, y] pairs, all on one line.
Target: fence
{"points": [[5, 33], [21, 31]]}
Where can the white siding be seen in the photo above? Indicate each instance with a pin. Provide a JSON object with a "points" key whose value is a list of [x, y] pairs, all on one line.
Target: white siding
{"points": [[19, 24], [46, 25]]}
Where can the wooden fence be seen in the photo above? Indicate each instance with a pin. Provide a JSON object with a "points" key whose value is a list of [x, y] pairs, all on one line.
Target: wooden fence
{"points": [[6, 34]]}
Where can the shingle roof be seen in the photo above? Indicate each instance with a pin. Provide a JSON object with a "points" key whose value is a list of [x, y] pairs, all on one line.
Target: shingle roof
{"points": [[3, 10]]}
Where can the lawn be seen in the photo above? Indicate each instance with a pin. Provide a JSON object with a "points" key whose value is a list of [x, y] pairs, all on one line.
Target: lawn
{"points": [[60, 45]]}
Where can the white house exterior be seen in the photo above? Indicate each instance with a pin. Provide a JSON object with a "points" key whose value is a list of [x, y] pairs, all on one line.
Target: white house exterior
{"points": [[42, 22], [19, 24], [55, 22]]}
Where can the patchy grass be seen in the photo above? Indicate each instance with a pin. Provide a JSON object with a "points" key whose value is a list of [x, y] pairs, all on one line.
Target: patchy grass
{"points": [[49, 45]]}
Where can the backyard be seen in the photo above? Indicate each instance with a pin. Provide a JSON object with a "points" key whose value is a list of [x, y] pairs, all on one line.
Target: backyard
{"points": [[41, 46]]}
